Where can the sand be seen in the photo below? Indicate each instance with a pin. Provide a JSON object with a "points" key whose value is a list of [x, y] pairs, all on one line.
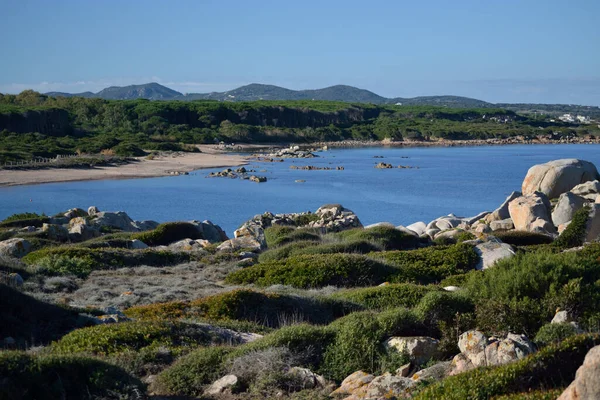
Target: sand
{"points": [[211, 157]]}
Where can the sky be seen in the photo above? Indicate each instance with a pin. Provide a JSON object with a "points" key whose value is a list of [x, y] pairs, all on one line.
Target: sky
{"points": [[543, 51]]}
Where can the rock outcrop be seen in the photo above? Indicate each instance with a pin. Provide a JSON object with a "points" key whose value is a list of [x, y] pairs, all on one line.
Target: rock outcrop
{"points": [[531, 213], [566, 207], [15, 247], [586, 384], [420, 349], [559, 176], [491, 252]]}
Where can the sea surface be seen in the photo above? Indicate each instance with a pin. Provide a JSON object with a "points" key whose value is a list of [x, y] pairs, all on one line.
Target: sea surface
{"points": [[459, 180]]}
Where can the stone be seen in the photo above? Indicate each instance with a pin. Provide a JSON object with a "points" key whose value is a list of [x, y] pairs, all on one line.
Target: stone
{"points": [[241, 243], [450, 234], [431, 233], [491, 252], [353, 382], [481, 216], [436, 372], [306, 379], [420, 349], [75, 212], [197, 245], [586, 384], [531, 213], [559, 176], [502, 212], [383, 165], [418, 227], [387, 386], [482, 228], [502, 225], [252, 231], [93, 210], [258, 179], [82, 232], [55, 232], [137, 245], [77, 221], [472, 342], [590, 188], [381, 224], [145, 225], [213, 233], [15, 247], [568, 204], [593, 224], [404, 370], [451, 288], [119, 220], [407, 231], [226, 383], [561, 317]]}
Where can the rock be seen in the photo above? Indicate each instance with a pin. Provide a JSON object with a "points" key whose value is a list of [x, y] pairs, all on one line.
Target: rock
{"points": [[445, 223], [145, 225], [407, 231], [383, 165], [472, 342], [15, 247], [451, 288], [593, 224], [11, 279], [82, 232], [481, 216], [561, 317], [211, 232], [502, 212], [450, 234], [387, 386], [531, 213], [502, 225], [77, 221], [55, 232], [258, 179], [588, 189], [306, 379], [119, 220], [586, 384], [137, 245], [353, 382], [335, 218], [75, 212], [246, 262], [93, 210], [436, 372], [482, 228], [228, 382], [381, 224], [559, 176], [59, 220], [492, 251], [568, 204], [241, 243], [420, 349], [189, 245], [418, 227], [404, 370]]}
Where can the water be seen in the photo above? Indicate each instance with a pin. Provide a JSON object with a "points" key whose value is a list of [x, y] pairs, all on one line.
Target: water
{"points": [[459, 180]]}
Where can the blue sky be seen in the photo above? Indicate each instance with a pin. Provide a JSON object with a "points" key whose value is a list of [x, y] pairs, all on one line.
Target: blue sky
{"points": [[500, 51]]}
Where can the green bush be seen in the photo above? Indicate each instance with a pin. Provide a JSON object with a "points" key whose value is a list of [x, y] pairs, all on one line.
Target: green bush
{"points": [[523, 238], [552, 367], [27, 376], [169, 232], [552, 333], [384, 237], [284, 251], [128, 150], [32, 321], [276, 232], [23, 220], [551, 394], [358, 342], [80, 261], [388, 296], [113, 338], [431, 264], [574, 234], [312, 271], [300, 248]]}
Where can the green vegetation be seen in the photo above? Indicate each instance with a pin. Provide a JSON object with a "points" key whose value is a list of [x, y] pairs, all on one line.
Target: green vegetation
{"points": [[388, 296], [523, 238], [554, 333], [62, 376], [552, 367], [279, 235], [574, 234], [169, 232], [35, 125], [23, 220], [385, 238]]}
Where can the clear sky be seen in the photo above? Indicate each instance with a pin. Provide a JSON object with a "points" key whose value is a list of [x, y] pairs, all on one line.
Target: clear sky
{"points": [[501, 51]]}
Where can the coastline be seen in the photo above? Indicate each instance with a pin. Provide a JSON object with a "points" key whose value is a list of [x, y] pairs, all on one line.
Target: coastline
{"points": [[164, 165]]}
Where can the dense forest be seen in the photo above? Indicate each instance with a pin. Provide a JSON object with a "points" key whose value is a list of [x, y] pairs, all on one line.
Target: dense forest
{"points": [[37, 125]]}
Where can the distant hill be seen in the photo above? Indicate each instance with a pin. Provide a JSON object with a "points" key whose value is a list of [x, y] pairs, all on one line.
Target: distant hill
{"points": [[257, 91]]}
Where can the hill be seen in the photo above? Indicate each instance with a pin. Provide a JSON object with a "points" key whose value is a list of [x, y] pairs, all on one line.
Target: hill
{"points": [[150, 91]]}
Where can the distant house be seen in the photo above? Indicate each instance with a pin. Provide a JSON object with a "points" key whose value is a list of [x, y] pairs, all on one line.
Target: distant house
{"points": [[566, 118]]}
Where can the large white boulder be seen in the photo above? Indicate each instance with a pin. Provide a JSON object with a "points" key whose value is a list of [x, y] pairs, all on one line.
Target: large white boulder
{"points": [[531, 213], [491, 252], [568, 204], [501, 213], [15, 247], [586, 384], [559, 176], [420, 349]]}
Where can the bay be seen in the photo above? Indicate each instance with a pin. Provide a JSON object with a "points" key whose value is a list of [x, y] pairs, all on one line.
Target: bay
{"points": [[459, 180]]}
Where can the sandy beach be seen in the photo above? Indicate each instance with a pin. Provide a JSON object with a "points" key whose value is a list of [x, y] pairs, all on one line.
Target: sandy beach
{"points": [[211, 157]]}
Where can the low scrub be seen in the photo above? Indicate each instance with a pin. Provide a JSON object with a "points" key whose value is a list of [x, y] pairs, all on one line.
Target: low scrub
{"points": [[384, 237], [313, 271], [168, 233], [431, 264], [23, 220], [81, 261], [552, 367], [554, 333], [286, 250], [300, 248], [523, 238], [26, 376], [269, 309], [388, 296], [574, 234], [109, 339]]}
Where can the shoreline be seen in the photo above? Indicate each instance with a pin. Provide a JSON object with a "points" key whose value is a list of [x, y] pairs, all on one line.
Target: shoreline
{"points": [[164, 165], [215, 156]]}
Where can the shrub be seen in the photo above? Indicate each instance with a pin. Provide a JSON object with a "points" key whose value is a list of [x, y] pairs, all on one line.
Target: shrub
{"points": [[61, 377], [552, 367], [113, 338], [389, 296], [358, 341], [284, 251], [191, 372], [574, 234], [276, 232], [128, 150], [386, 238], [523, 238], [299, 248], [305, 219], [23, 220], [169, 232], [552, 333], [551, 394], [458, 279], [312, 271], [430, 265]]}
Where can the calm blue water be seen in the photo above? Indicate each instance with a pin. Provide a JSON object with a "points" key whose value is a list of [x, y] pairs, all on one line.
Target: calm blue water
{"points": [[459, 180]]}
